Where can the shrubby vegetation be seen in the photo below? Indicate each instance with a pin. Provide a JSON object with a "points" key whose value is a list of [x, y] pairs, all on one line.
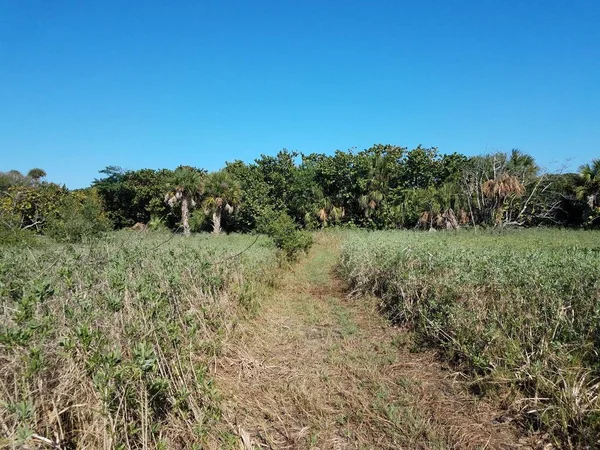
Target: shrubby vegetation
{"points": [[287, 238], [28, 204], [519, 311], [383, 187], [107, 345]]}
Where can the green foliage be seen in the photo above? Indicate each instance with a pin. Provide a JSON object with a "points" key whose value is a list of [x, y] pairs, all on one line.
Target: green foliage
{"points": [[221, 187], [32, 206], [588, 191], [79, 218], [16, 178], [36, 174], [199, 221], [518, 311], [185, 189], [384, 186], [285, 234], [156, 224], [254, 193], [129, 197], [12, 234], [221, 195]]}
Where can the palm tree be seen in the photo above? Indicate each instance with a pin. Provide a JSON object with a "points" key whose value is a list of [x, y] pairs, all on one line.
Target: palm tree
{"points": [[379, 174], [522, 165], [328, 213], [369, 202], [499, 189], [589, 189], [36, 174], [221, 194], [187, 184]]}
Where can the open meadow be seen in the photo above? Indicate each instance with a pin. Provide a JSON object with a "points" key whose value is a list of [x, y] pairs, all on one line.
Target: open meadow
{"points": [[517, 311], [370, 339]]}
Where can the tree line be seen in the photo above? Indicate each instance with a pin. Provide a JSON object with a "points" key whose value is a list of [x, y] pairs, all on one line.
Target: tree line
{"points": [[385, 186]]}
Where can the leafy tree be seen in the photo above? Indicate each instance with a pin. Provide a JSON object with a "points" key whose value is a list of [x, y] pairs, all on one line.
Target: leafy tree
{"points": [[79, 217], [32, 206], [421, 168], [135, 196], [254, 192], [279, 173], [336, 179], [12, 178], [222, 193], [384, 186], [186, 183]]}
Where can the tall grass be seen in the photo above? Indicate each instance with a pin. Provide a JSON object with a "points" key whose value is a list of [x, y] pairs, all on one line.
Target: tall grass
{"points": [[109, 345], [518, 311]]}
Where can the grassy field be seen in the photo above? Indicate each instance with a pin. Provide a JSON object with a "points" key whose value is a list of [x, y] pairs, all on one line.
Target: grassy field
{"points": [[122, 343], [519, 312], [108, 345]]}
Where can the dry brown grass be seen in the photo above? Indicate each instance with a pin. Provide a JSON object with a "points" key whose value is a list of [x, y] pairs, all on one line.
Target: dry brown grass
{"points": [[314, 370]]}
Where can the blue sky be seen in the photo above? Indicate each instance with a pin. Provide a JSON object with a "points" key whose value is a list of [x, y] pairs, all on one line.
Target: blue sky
{"points": [[157, 84]]}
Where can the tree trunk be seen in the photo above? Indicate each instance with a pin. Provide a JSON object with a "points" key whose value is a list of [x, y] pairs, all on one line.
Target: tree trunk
{"points": [[185, 215], [591, 201], [216, 219]]}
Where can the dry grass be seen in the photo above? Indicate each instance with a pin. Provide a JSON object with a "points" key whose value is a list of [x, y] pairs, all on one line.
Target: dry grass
{"points": [[516, 312], [109, 345], [314, 370]]}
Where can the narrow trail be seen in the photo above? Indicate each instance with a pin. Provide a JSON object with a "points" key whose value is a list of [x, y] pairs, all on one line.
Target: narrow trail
{"points": [[315, 370]]}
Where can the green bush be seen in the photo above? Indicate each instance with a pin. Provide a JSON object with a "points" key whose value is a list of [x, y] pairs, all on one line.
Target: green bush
{"points": [[157, 224], [79, 218], [282, 229], [12, 234]]}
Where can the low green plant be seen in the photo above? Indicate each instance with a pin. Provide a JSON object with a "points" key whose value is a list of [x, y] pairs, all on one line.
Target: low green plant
{"points": [[12, 234], [157, 224]]}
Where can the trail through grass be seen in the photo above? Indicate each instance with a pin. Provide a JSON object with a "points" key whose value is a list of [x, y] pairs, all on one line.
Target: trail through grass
{"points": [[315, 370]]}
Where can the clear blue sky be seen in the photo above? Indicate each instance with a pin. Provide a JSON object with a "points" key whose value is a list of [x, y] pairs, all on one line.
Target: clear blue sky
{"points": [[86, 84]]}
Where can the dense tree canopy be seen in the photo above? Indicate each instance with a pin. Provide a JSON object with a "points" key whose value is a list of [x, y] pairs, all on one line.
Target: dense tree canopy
{"points": [[385, 186]]}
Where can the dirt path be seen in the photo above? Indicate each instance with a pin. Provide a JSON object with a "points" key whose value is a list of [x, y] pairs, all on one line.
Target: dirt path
{"points": [[314, 370]]}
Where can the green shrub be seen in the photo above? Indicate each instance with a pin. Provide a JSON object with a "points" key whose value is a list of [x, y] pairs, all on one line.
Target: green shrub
{"points": [[199, 221], [286, 236], [79, 218], [12, 234], [157, 224]]}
